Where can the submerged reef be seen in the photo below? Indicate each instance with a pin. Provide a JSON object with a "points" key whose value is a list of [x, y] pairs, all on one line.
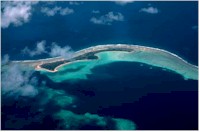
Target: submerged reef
{"points": [[75, 121], [78, 67]]}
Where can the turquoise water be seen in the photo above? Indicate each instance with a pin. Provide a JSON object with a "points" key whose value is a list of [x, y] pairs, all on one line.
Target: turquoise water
{"points": [[113, 96], [106, 94], [80, 69]]}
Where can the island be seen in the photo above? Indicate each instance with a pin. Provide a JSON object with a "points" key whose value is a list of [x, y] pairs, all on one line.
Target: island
{"points": [[88, 58]]}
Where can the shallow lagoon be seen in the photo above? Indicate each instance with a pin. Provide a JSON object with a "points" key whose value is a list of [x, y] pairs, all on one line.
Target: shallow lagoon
{"points": [[81, 68]]}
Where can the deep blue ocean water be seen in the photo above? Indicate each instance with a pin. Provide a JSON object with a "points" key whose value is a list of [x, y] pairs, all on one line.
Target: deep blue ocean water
{"points": [[158, 99], [171, 29], [149, 96]]}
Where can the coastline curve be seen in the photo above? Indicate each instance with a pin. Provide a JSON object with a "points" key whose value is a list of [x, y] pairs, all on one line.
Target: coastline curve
{"points": [[104, 54]]}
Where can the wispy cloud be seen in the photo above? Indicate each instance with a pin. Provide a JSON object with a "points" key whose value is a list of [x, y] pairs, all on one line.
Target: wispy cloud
{"points": [[108, 19], [15, 12], [56, 10], [49, 11], [95, 11], [150, 10], [5, 59], [66, 11], [124, 2], [53, 51], [40, 49], [16, 81], [75, 3], [56, 51]]}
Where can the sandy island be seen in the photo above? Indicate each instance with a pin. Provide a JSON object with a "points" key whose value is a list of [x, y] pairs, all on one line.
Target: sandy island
{"points": [[148, 55]]}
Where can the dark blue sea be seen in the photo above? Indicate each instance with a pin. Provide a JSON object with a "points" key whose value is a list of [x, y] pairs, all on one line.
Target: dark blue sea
{"points": [[171, 29], [149, 96]]}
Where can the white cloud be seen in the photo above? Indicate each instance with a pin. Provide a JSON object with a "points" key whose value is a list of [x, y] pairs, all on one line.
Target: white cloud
{"points": [[95, 11], [56, 50], [16, 81], [56, 10], [151, 10], [124, 2], [75, 3], [66, 11], [49, 11], [40, 49], [108, 18], [15, 13]]}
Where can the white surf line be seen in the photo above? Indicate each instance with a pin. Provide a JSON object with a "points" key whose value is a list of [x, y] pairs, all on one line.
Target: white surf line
{"points": [[171, 54], [47, 59], [96, 48], [139, 46]]}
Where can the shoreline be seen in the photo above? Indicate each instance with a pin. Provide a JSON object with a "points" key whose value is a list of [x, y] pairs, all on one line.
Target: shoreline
{"points": [[93, 47], [99, 48], [56, 69]]}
